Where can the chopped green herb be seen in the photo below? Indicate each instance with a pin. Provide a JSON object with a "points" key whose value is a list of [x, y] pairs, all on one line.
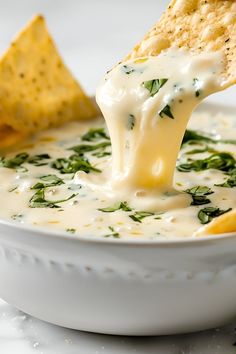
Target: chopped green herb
{"points": [[127, 69], [101, 153], [38, 160], [38, 200], [71, 231], [227, 141], [83, 148], [131, 122], [230, 182], [70, 165], [166, 111], [199, 194], [16, 162], [95, 134], [17, 217], [153, 86], [192, 136], [122, 206], [222, 161], [205, 215], [73, 164], [138, 216], [113, 233], [197, 87], [12, 189], [74, 187], [48, 181], [170, 193], [200, 151]]}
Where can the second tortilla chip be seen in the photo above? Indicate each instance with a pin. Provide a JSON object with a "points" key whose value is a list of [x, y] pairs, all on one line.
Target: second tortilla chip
{"points": [[36, 89], [223, 224]]}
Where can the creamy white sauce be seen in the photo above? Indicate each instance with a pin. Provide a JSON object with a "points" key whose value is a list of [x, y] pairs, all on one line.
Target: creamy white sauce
{"points": [[135, 191], [81, 213]]}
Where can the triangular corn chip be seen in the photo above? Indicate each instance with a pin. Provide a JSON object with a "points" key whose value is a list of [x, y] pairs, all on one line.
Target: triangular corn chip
{"points": [[196, 25], [36, 89], [223, 224]]}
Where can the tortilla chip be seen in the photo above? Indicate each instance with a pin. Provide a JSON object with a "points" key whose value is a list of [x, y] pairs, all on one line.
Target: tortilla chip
{"points": [[198, 26], [9, 136], [223, 224], [36, 89]]}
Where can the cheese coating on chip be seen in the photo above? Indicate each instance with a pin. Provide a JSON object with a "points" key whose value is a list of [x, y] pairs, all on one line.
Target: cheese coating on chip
{"points": [[37, 91], [198, 26]]}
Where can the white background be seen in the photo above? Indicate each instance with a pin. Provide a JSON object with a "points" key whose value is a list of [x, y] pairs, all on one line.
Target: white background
{"points": [[92, 35]]}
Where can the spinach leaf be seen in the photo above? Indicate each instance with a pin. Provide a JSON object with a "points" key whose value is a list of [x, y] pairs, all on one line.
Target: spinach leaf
{"points": [[95, 134], [39, 160], [230, 182], [192, 136], [15, 162], [153, 86], [166, 111], [222, 161], [205, 215], [21, 158], [138, 216], [122, 206], [38, 200], [71, 230], [48, 181], [113, 233], [199, 194], [73, 164], [84, 148], [200, 151]]}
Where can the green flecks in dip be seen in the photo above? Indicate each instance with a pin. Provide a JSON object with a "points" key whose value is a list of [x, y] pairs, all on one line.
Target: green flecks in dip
{"points": [[38, 187], [153, 86], [166, 112], [131, 122]]}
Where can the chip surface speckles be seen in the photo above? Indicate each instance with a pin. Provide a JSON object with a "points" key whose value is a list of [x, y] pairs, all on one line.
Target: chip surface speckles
{"points": [[196, 25], [36, 89]]}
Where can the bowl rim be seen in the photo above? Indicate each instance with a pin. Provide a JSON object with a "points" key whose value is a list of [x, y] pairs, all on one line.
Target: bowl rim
{"points": [[63, 235]]}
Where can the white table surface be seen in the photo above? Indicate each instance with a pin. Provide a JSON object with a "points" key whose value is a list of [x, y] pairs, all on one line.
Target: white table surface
{"points": [[22, 334], [92, 36]]}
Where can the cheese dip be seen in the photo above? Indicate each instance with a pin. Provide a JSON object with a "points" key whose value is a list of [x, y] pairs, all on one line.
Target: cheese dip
{"points": [[38, 187], [127, 182], [147, 103]]}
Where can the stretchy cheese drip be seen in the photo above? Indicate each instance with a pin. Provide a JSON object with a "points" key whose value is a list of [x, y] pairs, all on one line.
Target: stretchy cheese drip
{"points": [[147, 103]]}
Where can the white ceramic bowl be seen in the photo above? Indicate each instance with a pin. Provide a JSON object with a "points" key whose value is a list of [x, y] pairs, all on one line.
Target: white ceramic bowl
{"points": [[117, 286]]}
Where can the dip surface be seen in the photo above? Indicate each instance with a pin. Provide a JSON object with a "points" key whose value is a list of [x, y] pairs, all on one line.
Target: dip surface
{"points": [[30, 198]]}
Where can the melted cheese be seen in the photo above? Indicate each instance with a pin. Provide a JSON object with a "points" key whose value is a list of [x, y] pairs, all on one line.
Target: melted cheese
{"points": [[146, 130], [146, 104]]}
